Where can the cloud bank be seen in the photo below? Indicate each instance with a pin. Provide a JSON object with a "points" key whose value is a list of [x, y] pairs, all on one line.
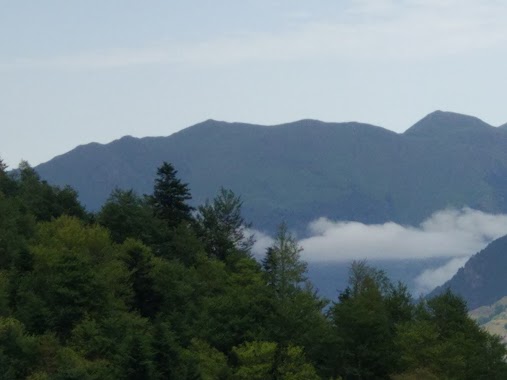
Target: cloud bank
{"points": [[431, 278], [453, 234], [447, 233]]}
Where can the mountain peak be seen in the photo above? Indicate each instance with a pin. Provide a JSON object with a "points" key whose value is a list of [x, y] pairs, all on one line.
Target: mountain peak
{"points": [[439, 122]]}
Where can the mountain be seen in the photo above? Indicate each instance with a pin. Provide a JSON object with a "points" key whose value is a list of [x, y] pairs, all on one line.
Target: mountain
{"points": [[448, 124], [493, 318], [482, 281], [307, 169]]}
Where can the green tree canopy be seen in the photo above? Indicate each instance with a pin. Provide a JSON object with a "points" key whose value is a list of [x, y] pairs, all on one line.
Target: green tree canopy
{"points": [[221, 226]]}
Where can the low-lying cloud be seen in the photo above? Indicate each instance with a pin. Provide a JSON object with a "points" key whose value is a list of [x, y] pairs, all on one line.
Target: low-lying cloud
{"points": [[431, 278], [447, 233], [456, 234]]}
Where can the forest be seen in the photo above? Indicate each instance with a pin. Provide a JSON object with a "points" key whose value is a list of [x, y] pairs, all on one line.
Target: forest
{"points": [[149, 287]]}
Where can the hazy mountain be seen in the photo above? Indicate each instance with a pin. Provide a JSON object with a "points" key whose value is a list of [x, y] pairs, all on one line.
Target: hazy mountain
{"points": [[448, 124], [482, 281], [307, 169]]}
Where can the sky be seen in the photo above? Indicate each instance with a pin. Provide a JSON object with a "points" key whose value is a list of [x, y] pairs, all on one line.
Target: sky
{"points": [[73, 72]]}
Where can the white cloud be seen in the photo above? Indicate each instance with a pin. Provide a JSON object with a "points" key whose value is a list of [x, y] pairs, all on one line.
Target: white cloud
{"points": [[262, 242], [363, 30], [453, 234], [431, 278], [447, 233]]}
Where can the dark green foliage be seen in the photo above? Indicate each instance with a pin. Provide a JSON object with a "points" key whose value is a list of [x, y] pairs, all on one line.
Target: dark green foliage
{"points": [[146, 294], [221, 226], [362, 327], [3, 167], [139, 359], [295, 312], [64, 283], [139, 262], [126, 215], [170, 196], [168, 355], [7, 184], [443, 339], [284, 270], [16, 226], [17, 350], [44, 201]]}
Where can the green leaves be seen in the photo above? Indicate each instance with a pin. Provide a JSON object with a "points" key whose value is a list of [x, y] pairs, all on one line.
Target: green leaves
{"points": [[221, 226], [445, 341], [150, 294], [267, 360]]}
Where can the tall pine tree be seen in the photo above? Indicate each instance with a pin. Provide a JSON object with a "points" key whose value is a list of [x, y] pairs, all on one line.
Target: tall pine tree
{"points": [[170, 196]]}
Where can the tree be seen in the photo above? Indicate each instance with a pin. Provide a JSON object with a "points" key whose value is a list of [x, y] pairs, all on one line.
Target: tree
{"points": [[444, 340], [284, 270], [139, 262], [221, 226], [237, 311], [3, 167], [211, 363], [269, 361], [8, 185], [44, 201], [170, 196], [295, 314], [70, 278], [139, 362], [17, 350], [127, 215], [362, 324]]}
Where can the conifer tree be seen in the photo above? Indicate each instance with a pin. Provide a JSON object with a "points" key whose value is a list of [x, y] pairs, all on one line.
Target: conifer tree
{"points": [[170, 196], [221, 226], [285, 271]]}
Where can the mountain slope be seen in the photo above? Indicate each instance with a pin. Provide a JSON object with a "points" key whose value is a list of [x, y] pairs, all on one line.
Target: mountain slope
{"points": [[482, 281], [493, 318], [303, 170]]}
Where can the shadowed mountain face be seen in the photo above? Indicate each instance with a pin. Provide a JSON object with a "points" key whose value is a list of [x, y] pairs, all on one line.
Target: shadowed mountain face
{"points": [[308, 169], [482, 281]]}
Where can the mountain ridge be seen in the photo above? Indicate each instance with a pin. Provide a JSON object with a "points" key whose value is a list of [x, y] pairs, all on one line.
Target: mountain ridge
{"points": [[451, 121], [302, 170]]}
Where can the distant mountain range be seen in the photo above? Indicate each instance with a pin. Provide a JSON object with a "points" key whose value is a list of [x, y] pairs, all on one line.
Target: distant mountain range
{"points": [[307, 169]]}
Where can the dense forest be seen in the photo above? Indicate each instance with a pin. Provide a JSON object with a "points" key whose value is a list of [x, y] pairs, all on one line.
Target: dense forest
{"points": [[151, 288]]}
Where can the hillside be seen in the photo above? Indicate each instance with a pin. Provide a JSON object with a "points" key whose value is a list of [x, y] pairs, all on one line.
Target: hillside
{"points": [[303, 170], [482, 280], [493, 318]]}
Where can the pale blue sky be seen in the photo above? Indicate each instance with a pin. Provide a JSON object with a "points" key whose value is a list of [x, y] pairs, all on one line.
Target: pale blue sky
{"points": [[72, 72]]}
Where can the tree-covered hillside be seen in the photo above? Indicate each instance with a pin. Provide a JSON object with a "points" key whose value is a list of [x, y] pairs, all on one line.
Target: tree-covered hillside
{"points": [[307, 169], [150, 288]]}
